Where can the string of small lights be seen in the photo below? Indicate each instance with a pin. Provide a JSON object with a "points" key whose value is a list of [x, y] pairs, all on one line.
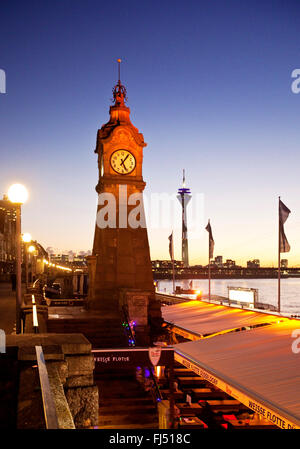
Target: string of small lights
{"points": [[46, 262], [129, 328], [150, 381]]}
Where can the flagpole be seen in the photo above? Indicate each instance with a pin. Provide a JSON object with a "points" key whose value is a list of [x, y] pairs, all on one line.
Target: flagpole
{"points": [[173, 264], [209, 243], [172, 258], [173, 276], [209, 274], [278, 307]]}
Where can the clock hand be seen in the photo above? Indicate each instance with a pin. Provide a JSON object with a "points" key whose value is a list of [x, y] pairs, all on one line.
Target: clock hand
{"points": [[122, 163]]}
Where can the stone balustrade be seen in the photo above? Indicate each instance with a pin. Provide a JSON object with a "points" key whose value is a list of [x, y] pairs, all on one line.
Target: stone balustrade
{"points": [[70, 366]]}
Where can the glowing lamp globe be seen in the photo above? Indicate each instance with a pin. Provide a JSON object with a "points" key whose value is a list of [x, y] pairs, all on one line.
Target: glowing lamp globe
{"points": [[31, 248], [17, 193], [26, 237]]}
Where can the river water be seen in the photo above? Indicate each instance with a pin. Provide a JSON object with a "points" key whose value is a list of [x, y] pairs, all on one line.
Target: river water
{"points": [[267, 289]]}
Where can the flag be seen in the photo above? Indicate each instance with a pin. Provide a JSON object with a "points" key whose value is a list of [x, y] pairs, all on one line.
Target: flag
{"points": [[211, 241], [284, 212], [171, 248]]}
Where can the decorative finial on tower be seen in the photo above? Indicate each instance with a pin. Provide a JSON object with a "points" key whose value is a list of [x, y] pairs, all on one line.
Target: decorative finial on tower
{"points": [[119, 91], [119, 70]]}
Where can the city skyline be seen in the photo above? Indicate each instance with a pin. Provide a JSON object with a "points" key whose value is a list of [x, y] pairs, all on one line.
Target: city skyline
{"points": [[218, 259], [210, 90]]}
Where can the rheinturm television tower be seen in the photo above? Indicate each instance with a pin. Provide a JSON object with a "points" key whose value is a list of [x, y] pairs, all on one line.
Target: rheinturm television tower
{"points": [[184, 196]]}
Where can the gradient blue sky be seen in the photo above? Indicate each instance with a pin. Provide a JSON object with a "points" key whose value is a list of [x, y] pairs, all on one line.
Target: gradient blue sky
{"points": [[209, 85]]}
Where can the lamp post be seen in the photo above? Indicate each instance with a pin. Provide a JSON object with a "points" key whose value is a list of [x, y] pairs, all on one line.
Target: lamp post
{"points": [[26, 239], [18, 194], [31, 252]]}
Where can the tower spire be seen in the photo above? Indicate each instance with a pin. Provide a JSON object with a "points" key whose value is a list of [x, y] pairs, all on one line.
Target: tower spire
{"points": [[119, 70], [184, 196], [119, 91]]}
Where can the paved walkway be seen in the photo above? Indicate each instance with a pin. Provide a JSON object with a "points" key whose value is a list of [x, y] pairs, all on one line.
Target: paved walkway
{"points": [[7, 308]]}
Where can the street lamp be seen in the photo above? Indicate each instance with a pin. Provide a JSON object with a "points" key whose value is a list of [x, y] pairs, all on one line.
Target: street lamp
{"points": [[32, 254], [18, 194], [26, 237]]}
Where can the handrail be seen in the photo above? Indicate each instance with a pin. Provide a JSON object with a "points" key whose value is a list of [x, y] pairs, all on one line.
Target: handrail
{"points": [[157, 391], [48, 401]]}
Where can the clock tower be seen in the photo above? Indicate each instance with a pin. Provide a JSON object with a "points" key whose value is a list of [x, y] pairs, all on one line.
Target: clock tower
{"points": [[121, 279]]}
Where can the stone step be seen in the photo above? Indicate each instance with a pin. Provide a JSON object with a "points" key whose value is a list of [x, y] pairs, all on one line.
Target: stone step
{"points": [[151, 425], [124, 374], [84, 322], [98, 338], [116, 392], [107, 340], [130, 402], [74, 323], [123, 403], [126, 394], [81, 329], [116, 419], [89, 326], [125, 408]]}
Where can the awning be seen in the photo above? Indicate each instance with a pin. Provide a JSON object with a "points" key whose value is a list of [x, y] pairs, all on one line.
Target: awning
{"points": [[197, 319], [258, 367]]}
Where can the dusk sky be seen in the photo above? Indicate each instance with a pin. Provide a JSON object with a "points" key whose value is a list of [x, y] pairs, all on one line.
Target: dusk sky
{"points": [[209, 86]]}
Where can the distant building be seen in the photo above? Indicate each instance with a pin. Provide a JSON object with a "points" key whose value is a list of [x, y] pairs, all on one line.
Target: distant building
{"points": [[166, 264], [36, 265], [79, 258], [7, 236], [79, 261], [284, 263], [59, 258], [218, 261], [255, 263], [229, 263], [69, 259]]}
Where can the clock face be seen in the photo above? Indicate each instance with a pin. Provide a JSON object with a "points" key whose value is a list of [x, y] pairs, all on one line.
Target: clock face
{"points": [[122, 162]]}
